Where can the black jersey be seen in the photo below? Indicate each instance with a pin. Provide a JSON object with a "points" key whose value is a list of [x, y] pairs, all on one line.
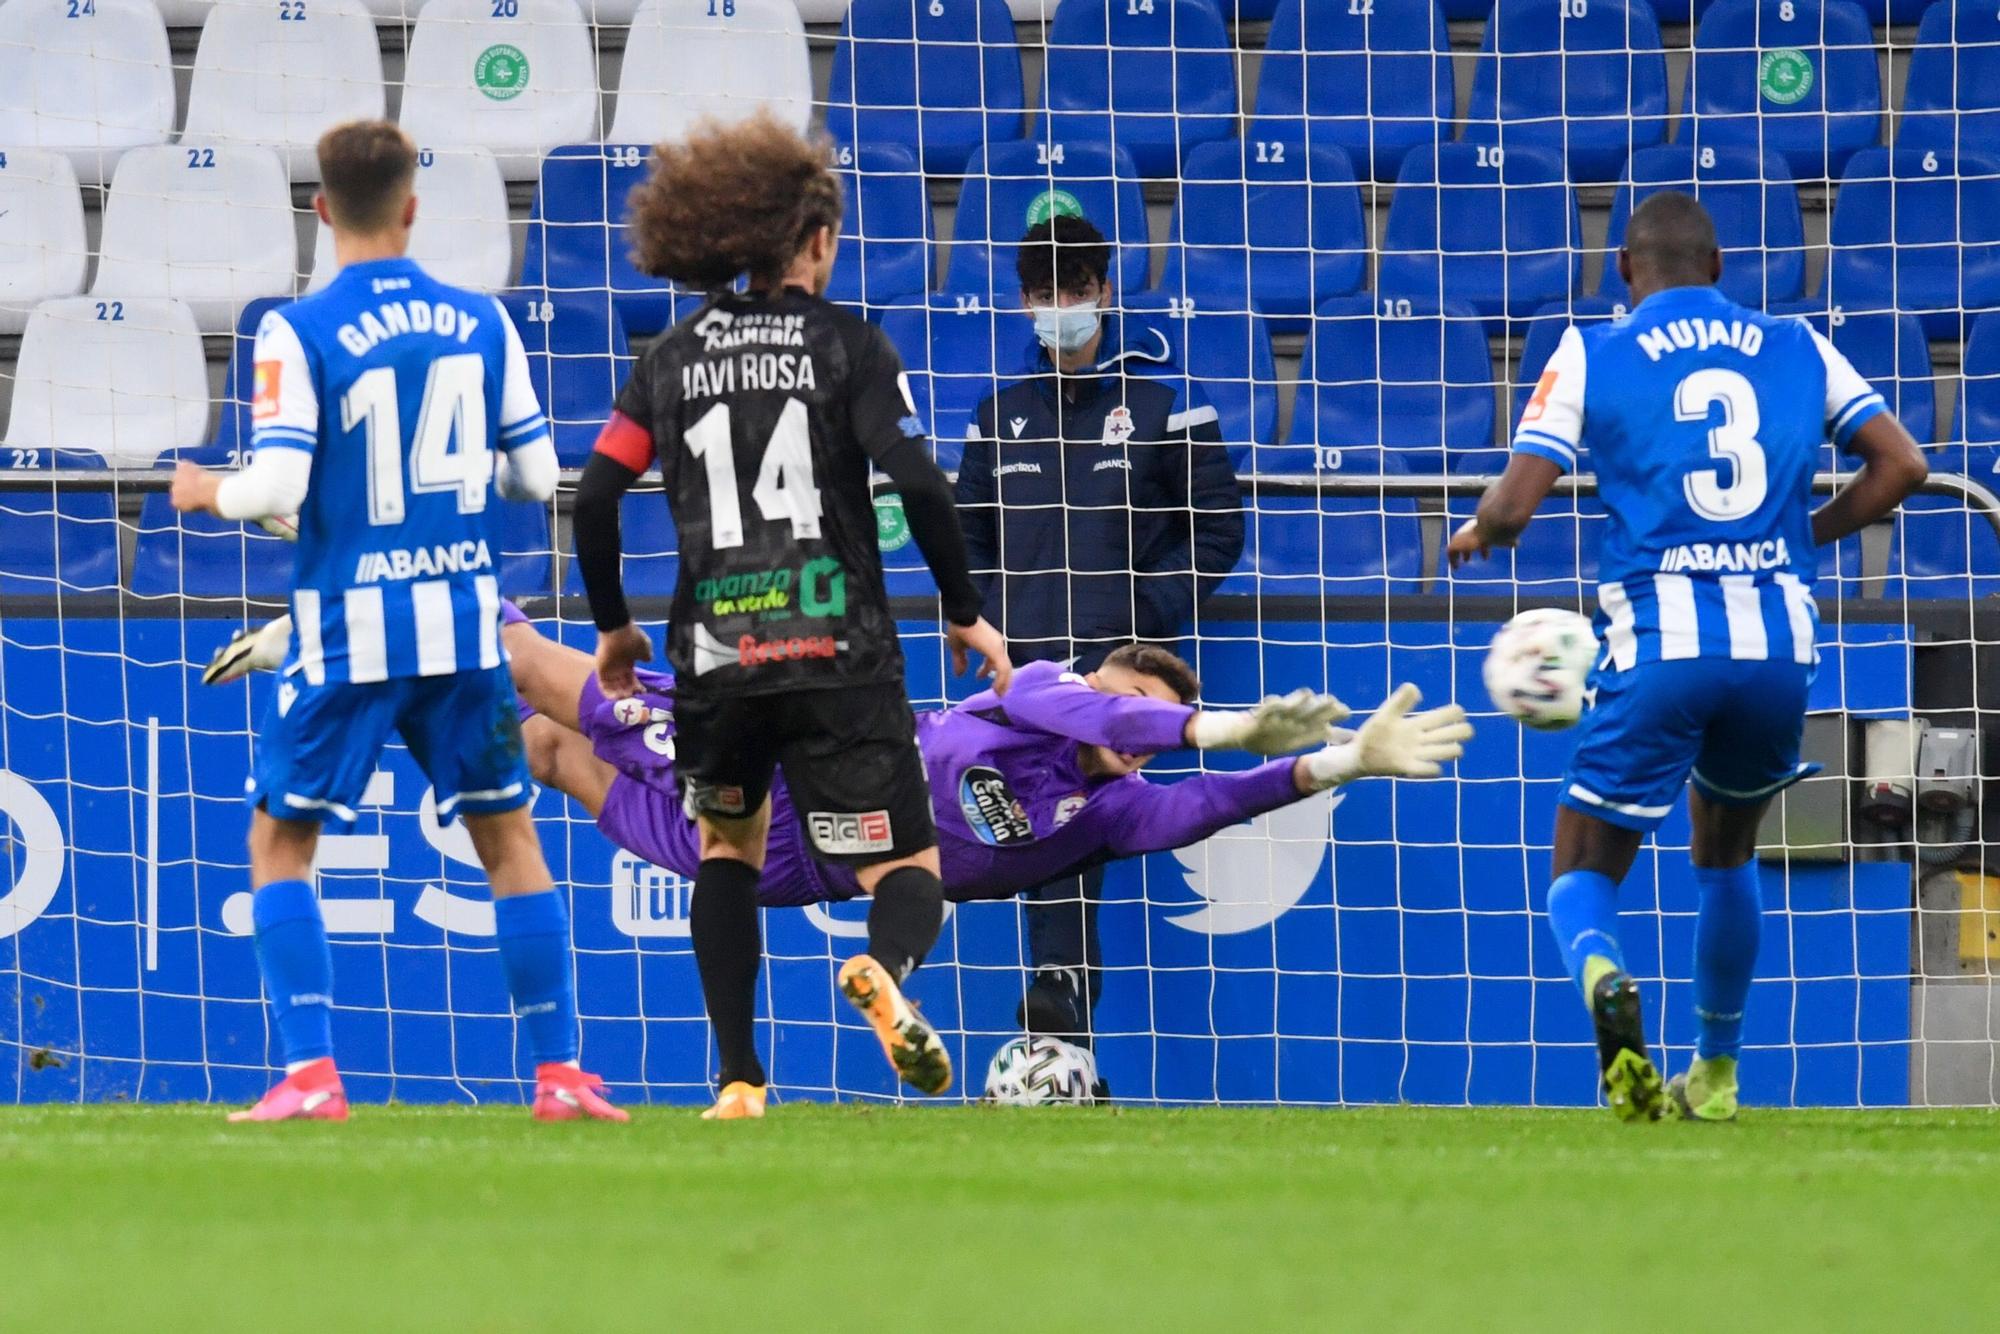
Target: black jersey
{"points": [[766, 410]]}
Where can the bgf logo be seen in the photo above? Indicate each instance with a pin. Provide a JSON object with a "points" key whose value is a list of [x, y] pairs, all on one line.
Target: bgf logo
{"points": [[850, 835]]}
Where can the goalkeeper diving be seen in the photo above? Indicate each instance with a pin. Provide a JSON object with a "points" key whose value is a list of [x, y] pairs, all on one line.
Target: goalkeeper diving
{"points": [[1043, 783]]}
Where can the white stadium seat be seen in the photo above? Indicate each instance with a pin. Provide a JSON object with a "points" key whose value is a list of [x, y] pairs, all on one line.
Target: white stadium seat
{"points": [[125, 379], [186, 13], [462, 235], [682, 66], [282, 72], [822, 11], [517, 77], [212, 227], [43, 249], [87, 79]]}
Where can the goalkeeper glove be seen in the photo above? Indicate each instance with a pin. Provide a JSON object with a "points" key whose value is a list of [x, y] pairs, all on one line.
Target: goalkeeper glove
{"points": [[285, 526], [1393, 744], [1278, 724]]}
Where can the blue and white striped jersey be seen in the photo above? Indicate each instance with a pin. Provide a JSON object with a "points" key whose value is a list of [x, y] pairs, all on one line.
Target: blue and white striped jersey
{"points": [[401, 388], [1703, 421]]}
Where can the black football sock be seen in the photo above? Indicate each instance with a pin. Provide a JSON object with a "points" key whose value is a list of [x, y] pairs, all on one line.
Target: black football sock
{"points": [[905, 918], [728, 948]]}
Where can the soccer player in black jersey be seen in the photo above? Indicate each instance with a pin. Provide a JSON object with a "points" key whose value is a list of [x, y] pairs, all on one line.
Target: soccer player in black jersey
{"points": [[765, 411]]}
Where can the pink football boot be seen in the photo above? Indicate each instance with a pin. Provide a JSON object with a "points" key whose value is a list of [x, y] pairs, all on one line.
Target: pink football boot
{"points": [[312, 1093], [564, 1093]]}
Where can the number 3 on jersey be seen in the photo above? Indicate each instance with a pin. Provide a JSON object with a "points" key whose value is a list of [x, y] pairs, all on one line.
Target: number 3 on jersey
{"points": [[1733, 442], [454, 407], [784, 488]]}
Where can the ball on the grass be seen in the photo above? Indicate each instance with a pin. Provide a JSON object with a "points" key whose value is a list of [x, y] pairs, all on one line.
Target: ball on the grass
{"points": [[1538, 665], [1035, 1070]]}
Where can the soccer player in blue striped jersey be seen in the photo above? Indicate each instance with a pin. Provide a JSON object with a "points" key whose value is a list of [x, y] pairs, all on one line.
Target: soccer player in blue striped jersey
{"points": [[1704, 423], [389, 410]]}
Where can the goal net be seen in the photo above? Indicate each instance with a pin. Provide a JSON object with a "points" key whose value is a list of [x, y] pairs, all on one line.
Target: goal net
{"points": [[1347, 232]]}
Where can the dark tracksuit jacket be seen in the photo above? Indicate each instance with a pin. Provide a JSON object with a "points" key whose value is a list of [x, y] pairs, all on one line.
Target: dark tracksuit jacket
{"points": [[1101, 518]]}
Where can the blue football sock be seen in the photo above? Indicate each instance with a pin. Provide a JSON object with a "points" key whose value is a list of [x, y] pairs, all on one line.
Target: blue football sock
{"points": [[534, 953], [297, 967], [1583, 914], [1726, 931]]}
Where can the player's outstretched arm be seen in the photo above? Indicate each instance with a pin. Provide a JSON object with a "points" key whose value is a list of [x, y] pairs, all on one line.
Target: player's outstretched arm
{"points": [[1277, 725], [1506, 508], [1393, 743], [1892, 467], [623, 452]]}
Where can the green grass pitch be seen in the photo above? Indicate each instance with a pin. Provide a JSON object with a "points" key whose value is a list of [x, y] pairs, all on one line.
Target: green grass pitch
{"points": [[880, 1219]]}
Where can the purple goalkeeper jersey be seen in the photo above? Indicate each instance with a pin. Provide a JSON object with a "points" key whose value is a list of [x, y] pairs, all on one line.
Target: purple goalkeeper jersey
{"points": [[1014, 807]]}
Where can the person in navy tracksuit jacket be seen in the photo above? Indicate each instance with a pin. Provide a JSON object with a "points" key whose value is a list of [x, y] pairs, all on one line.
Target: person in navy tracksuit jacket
{"points": [[1099, 507]]}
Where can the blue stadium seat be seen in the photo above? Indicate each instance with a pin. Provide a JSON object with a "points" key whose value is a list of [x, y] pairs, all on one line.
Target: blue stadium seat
{"points": [[1011, 187], [240, 380], [957, 352], [652, 560], [1592, 87], [1797, 77], [1756, 212], [1156, 77], [1496, 231], [1416, 381], [1337, 546], [885, 234], [1952, 96], [1250, 11], [1228, 354], [1915, 230], [1467, 9], [578, 358], [202, 557], [576, 235], [1376, 84], [1943, 548], [1269, 224], [1892, 352], [939, 80], [1557, 556], [54, 543], [1545, 330], [527, 552]]}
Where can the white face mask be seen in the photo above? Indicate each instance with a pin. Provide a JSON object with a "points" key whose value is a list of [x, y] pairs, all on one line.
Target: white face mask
{"points": [[1064, 329]]}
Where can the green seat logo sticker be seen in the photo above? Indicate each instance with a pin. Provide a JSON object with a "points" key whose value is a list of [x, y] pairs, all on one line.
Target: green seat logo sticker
{"points": [[501, 72], [1053, 203], [892, 526], [1784, 76]]}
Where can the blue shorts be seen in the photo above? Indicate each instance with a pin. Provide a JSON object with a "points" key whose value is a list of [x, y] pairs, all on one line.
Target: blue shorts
{"points": [[1733, 726], [320, 744]]}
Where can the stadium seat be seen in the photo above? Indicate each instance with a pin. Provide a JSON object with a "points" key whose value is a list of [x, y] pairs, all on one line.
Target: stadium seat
{"points": [[1228, 355], [239, 383], [1269, 224], [938, 80], [651, 553], [1556, 558], [1497, 230], [122, 379], [199, 556], [1588, 82], [958, 351], [1155, 77], [1952, 96], [577, 241], [89, 81], [55, 542], [1407, 377], [1942, 547], [516, 79], [527, 551], [885, 233], [1756, 212], [188, 13], [212, 227], [1332, 546], [684, 63], [579, 360], [1891, 351], [1011, 187], [462, 235], [1914, 230], [1545, 330], [1795, 77], [43, 249], [1467, 9], [261, 76], [1376, 84]]}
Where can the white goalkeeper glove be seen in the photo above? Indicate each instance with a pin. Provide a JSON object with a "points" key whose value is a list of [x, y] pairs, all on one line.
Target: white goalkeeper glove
{"points": [[1393, 744], [281, 525], [1279, 724], [259, 648]]}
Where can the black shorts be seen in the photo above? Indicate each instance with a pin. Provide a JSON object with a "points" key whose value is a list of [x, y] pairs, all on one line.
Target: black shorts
{"points": [[849, 756]]}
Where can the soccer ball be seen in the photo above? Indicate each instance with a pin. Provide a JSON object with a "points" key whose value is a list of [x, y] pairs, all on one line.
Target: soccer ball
{"points": [[1033, 1071], [1537, 666]]}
